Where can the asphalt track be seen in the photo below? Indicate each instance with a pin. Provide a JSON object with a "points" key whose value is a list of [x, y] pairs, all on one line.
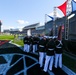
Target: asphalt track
{"points": [[14, 61]]}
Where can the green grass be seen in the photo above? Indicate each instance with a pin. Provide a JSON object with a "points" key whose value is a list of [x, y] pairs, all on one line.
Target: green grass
{"points": [[11, 37], [6, 37], [19, 42]]}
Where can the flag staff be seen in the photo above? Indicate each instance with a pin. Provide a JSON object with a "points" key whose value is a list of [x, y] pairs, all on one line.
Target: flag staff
{"points": [[45, 22], [54, 25]]}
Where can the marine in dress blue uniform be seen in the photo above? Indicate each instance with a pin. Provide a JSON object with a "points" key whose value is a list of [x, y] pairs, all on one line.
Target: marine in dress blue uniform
{"points": [[42, 51], [58, 54], [49, 55]]}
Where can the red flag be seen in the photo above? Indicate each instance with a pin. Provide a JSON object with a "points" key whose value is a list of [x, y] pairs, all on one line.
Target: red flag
{"points": [[63, 7], [59, 32]]}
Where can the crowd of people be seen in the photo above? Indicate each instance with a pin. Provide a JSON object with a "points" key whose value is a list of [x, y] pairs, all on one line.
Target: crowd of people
{"points": [[49, 49]]}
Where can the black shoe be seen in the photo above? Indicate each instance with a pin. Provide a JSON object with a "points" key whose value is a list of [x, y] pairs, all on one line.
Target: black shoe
{"points": [[44, 73], [50, 70]]}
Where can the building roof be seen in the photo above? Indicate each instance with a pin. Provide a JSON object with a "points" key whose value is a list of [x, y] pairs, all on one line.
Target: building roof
{"points": [[40, 27], [31, 26]]}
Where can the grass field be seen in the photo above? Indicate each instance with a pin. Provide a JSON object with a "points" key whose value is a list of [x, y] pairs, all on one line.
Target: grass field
{"points": [[11, 37], [6, 37]]}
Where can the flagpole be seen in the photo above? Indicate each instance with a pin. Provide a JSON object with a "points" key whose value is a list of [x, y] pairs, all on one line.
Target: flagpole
{"points": [[45, 22], [54, 25]]}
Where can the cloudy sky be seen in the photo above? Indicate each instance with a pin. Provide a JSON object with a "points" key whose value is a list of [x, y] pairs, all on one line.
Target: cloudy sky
{"points": [[20, 13]]}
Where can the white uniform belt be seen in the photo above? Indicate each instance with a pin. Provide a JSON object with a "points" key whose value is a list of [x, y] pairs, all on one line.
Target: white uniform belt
{"points": [[58, 47], [50, 49], [41, 46]]}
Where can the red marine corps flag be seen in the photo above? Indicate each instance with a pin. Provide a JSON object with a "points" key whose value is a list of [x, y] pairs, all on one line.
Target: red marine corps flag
{"points": [[60, 33]]}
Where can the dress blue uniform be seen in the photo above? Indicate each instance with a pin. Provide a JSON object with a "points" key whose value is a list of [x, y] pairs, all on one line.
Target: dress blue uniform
{"points": [[35, 43], [42, 48], [27, 42], [58, 54], [49, 55]]}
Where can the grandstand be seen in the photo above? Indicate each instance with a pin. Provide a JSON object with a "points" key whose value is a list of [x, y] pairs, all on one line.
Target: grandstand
{"points": [[35, 29], [31, 27]]}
